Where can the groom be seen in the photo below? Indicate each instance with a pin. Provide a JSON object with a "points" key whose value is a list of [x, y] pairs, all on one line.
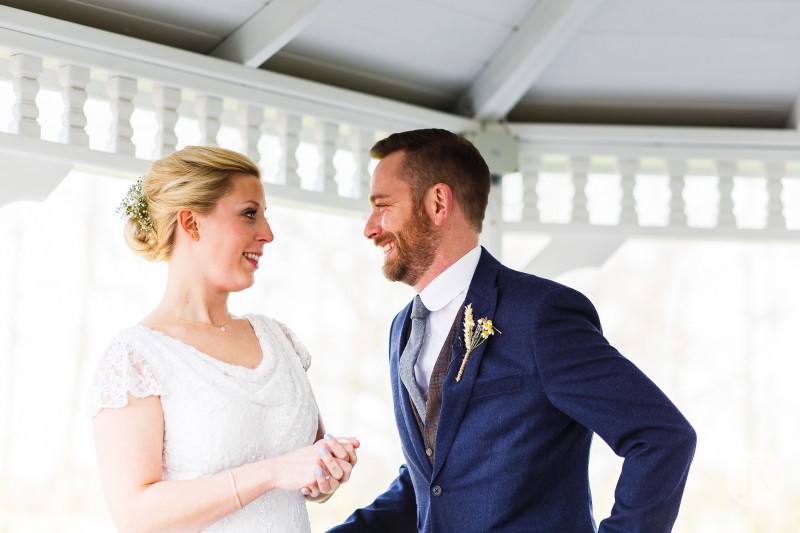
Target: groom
{"points": [[496, 436]]}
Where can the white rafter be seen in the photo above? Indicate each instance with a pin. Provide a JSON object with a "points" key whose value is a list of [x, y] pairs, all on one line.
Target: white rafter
{"points": [[531, 48], [266, 32]]}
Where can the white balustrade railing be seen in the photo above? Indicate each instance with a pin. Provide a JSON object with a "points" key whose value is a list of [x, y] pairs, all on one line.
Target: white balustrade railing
{"points": [[276, 119], [746, 166]]}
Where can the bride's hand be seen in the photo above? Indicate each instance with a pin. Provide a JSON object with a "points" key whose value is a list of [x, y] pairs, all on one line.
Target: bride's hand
{"points": [[326, 483], [339, 457], [341, 448], [298, 469]]}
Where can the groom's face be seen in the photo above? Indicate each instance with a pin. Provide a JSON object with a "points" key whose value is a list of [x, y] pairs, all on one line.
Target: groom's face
{"points": [[403, 230]]}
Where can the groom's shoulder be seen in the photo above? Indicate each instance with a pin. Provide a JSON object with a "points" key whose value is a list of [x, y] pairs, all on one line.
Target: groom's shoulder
{"points": [[507, 278], [522, 281]]}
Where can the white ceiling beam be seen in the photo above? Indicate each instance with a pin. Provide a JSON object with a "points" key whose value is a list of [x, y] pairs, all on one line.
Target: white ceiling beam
{"points": [[74, 44], [266, 32], [546, 29]]}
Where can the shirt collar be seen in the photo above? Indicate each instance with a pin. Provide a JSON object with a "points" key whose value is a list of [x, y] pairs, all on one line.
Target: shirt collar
{"points": [[452, 282]]}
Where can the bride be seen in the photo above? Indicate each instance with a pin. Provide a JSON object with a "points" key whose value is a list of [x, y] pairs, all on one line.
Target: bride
{"points": [[202, 419]]}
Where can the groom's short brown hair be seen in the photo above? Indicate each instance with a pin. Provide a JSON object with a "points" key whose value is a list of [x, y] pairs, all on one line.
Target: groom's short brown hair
{"points": [[438, 156]]}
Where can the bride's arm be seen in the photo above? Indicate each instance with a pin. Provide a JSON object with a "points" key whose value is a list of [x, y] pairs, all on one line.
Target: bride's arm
{"points": [[129, 444]]}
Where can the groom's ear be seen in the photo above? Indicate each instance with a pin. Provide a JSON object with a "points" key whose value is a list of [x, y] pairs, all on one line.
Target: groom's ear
{"points": [[439, 200]]}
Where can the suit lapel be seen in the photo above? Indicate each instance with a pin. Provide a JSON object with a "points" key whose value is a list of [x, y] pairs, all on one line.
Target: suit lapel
{"points": [[404, 401], [482, 294]]}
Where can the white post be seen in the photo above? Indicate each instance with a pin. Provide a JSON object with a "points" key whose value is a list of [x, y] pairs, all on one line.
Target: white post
{"points": [[580, 177], [775, 172], [676, 168], [166, 101], [73, 80], [121, 91], [361, 143], [289, 126], [326, 136], [208, 109], [726, 169], [530, 179], [491, 236], [25, 70], [628, 169], [250, 118]]}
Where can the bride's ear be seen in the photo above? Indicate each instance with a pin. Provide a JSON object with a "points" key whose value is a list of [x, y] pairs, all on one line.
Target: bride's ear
{"points": [[187, 224]]}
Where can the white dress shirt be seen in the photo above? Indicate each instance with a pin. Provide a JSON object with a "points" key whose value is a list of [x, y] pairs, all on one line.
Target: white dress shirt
{"points": [[443, 297]]}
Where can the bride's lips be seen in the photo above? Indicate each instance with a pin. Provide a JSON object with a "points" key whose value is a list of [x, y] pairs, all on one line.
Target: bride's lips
{"points": [[252, 258]]}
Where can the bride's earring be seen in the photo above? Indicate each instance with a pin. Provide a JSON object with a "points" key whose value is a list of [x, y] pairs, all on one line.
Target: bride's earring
{"points": [[196, 235]]}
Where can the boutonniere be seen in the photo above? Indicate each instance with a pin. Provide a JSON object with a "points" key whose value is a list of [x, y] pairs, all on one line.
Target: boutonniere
{"points": [[474, 337]]}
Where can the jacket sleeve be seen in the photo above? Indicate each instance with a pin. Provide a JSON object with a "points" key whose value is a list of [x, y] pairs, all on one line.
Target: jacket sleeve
{"points": [[589, 380], [394, 511]]}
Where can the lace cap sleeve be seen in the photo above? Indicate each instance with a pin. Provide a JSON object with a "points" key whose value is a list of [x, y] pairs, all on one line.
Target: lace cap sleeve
{"points": [[299, 348], [121, 371]]}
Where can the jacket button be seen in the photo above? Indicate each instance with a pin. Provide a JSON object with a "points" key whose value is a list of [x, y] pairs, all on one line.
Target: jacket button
{"points": [[436, 490], [428, 452]]}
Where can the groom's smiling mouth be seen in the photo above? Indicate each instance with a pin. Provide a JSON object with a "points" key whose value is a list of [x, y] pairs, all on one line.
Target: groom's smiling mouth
{"points": [[387, 247]]}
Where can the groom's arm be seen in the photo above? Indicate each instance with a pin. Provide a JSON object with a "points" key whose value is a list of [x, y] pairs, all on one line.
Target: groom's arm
{"points": [[394, 511], [586, 378]]}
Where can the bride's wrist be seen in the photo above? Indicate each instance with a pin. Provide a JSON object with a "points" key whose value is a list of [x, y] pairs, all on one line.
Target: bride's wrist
{"points": [[267, 475]]}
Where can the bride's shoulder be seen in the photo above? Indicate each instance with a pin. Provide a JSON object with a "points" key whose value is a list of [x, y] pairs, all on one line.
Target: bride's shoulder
{"points": [[268, 323], [279, 330], [265, 322], [132, 336], [135, 342]]}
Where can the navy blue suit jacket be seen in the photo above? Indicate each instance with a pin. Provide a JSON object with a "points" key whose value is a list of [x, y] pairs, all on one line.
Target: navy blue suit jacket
{"points": [[512, 448]]}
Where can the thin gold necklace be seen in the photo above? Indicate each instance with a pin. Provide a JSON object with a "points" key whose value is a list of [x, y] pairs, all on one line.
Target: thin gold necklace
{"points": [[221, 326]]}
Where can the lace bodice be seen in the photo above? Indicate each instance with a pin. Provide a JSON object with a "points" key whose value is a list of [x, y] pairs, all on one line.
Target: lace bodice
{"points": [[216, 415]]}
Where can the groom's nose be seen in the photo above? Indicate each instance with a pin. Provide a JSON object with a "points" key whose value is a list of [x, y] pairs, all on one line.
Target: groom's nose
{"points": [[372, 228]]}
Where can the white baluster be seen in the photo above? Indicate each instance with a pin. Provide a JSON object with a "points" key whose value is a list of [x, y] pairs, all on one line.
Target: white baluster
{"points": [[530, 197], [25, 70], [775, 172], [628, 169], [208, 109], [289, 127], [676, 168], [326, 136], [580, 177], [121, 91], [361, 143], [166, 101], [73, 80], [726, 169], [250, 118]]}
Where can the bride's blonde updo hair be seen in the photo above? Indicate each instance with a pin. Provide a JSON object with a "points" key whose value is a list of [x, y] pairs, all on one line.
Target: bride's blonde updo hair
{"points": [[193, 178]]}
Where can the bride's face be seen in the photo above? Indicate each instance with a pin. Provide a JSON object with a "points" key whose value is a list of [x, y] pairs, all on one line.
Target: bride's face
{"points": [[233, 235]]}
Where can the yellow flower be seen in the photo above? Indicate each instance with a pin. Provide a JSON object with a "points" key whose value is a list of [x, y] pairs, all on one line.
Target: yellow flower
{"points": [[473, 338]]}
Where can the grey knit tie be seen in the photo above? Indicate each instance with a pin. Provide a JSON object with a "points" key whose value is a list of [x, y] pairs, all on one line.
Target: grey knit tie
{"points": [[409, 357]]}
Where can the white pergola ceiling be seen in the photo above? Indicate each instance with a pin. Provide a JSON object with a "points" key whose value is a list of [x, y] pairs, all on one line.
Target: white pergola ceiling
{"points": [[657, 62]]}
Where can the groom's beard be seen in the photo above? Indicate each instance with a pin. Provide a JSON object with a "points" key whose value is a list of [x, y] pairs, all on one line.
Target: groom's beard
{"points": [[414, 251]]}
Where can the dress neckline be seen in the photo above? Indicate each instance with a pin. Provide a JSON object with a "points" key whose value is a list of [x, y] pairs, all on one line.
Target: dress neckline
{"points": [[213, 359]]}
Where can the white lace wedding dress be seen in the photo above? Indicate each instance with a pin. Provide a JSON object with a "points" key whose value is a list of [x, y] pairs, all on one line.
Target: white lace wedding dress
{"points": [[216, 415]]}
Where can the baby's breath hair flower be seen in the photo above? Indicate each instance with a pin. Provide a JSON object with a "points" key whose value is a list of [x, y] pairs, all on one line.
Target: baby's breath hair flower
{"points": [[474, 337], [134, 206]]}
